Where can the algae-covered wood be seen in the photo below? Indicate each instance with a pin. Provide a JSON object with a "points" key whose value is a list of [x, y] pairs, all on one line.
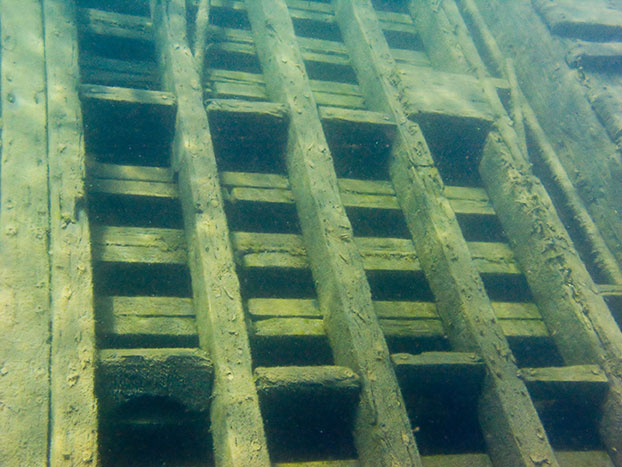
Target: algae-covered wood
{"points": [[381, 427], [74, 427], [24, 224], [236, 423], [511, 426]]}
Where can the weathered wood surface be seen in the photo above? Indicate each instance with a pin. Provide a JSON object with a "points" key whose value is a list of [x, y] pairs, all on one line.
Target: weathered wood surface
{"points": [[575, 313], [24, 224], [553, 89], [264, 250], [139, 245], [184, 375], [568, 202], [596, 20], [74, 428], [595, 55], [236, 423], [146, 317], [509, 421], [107, 23], [381, 427], [280, 381], [580, 382]]}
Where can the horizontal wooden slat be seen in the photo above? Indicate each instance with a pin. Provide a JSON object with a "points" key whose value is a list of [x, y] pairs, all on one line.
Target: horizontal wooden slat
{"points": [[309, 327], [261, 250], [138, 245], [394, 328], [596, 19], [432, 92], [611, 290], [107, 23], [579, 381], [261, 308], [415, 58], [136, 317], [133, 188], [460, 369], [114, 72], [305, 379], [595, 55], [129, 172], [241, 107], [136, 96], [354, 193], [365, 117], [146, 306]]}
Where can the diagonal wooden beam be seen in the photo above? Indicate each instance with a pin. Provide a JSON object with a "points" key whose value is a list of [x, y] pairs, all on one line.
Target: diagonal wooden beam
{"points": [[236, 423], [382, 430], [511, 426]]}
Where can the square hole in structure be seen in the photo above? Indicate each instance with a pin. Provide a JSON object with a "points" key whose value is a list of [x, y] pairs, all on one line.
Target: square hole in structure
{"points": [[360, 151], [248, 142], [309, 425], [456, 144]]}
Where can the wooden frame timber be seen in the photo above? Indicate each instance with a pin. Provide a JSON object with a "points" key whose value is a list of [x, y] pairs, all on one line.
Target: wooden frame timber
{"points": [[325, 233], [382, 432], [25, 279], [74, 422], [463, 304], [236, 422]]}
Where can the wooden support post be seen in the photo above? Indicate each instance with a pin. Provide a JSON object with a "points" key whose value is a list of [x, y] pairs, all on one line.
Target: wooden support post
{"points": [[590, 159], [575, 313], [382, 430], [73, 405], [24, 223], [509, 420], [573, 310], [200, 34], [236, 422]]}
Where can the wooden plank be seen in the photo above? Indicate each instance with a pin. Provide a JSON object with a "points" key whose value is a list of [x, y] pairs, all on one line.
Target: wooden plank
{"points": [[74, 411], [24, 261], [139, 245], [185, 375], [340, 283], [283, 307], [280, 381], [460, 369], [256, 109], [236, 423], [107, 23], [458, 460], [146, 306], [265, 250], [129, 172], [414, 58], [580, 382], [429, 91], [103, 70], [133, 188], [392, 328], [136, 327], [360, 117], [506, 411], [117, 94], [354, 193], [595, 55], [597, 20]]}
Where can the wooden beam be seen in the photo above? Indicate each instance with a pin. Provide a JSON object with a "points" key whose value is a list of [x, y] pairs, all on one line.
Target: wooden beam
{"points": [[580, 322], [279, 381], [381, 428], [24, 261], [509, 421], [107, 23], [74, 416], [185, 375], [236, 423]]}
